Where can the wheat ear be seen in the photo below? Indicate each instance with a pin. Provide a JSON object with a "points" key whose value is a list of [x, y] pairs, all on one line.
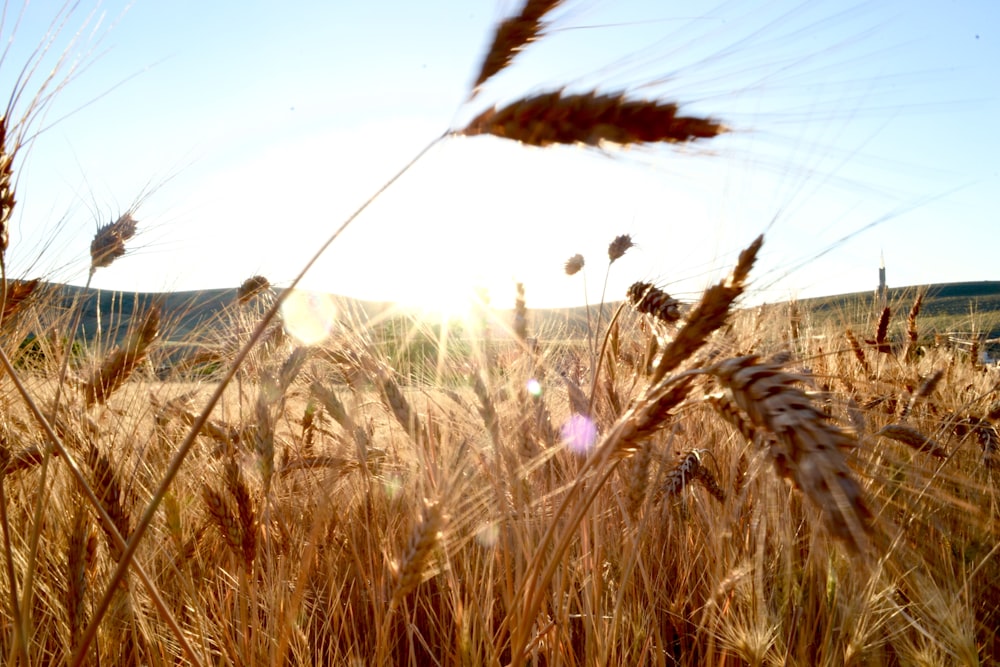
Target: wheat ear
{"points": [[17, 294], [925, 389], [651, 300], [592, 119], [637, 478], [109, 241], [423, 540], [80, 553], [120, 364], [512, 36], [911, 437], [710, 313], [7, 201], [859, 354], [912, 334], [114, 499], [881, 342], [809, 444]]}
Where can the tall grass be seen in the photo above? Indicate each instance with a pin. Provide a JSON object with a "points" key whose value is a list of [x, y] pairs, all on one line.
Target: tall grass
{"points": [[714, 487]]}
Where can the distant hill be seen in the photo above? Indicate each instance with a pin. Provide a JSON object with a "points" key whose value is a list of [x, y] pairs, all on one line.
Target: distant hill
{"points": [[948, 307]]}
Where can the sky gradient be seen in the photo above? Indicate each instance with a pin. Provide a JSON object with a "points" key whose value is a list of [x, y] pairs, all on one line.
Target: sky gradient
{"points": [[250, 131]]}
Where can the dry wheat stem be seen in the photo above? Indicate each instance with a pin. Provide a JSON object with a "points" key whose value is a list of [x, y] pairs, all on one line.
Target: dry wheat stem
{"points": [[631, 427], [106, 520], [185, 447], [20, 637]]}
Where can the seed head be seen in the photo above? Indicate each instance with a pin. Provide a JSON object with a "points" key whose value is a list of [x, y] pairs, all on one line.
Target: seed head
{"points": [[619, 246], [574, 264], [109, 241], [251, 287]]}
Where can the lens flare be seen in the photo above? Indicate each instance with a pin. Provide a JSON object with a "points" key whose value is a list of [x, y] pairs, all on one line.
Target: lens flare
{"points": [[309, 316], [488, 535], [534, 387], [579, 434]]}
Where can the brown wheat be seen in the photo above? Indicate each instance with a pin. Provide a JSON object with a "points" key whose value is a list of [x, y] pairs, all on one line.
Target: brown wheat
{"points": [[592, 119]]}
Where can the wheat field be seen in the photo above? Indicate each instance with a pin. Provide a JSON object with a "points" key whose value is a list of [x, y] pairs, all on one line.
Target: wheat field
{"points": [[691, 482]]}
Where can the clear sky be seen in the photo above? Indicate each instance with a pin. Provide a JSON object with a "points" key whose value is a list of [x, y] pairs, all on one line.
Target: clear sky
{"points": [[254, 128]]}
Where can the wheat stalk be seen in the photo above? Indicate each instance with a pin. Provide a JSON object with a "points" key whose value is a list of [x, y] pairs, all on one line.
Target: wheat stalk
{"points": [[592, 119]]}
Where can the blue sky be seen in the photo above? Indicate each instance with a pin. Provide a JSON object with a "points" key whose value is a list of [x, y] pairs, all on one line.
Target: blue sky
{"points": [[255, 128]]}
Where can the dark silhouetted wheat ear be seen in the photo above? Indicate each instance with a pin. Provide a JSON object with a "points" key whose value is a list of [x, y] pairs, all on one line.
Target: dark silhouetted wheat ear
{"points": [[651, 300], [592, 119], [512, 36]]}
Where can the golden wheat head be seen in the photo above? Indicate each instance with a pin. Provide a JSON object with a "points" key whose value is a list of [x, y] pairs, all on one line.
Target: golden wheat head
{"points": [[810, 446]]}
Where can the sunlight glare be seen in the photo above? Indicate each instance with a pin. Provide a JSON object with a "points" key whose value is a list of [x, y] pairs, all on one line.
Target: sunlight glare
{"points": [[309, 317]]}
